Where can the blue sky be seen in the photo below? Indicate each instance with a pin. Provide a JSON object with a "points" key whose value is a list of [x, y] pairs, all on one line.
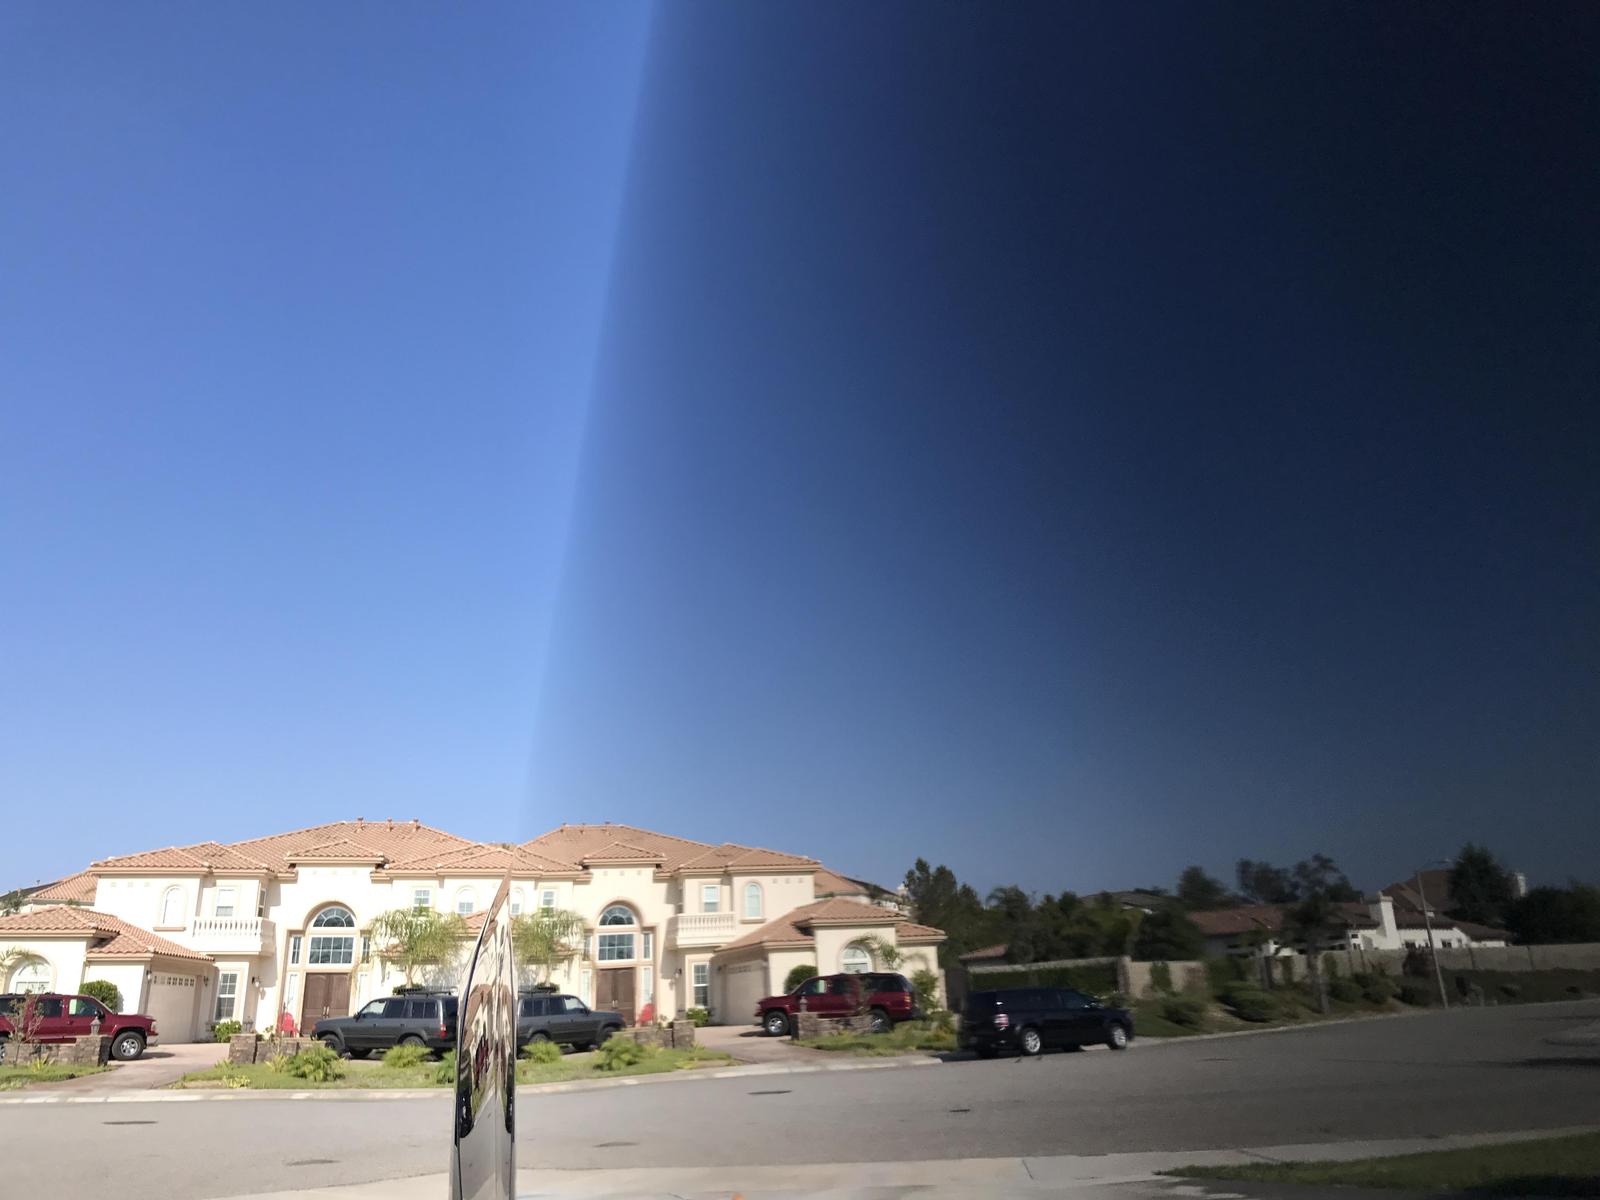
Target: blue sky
{"points": [[1064, 442]]}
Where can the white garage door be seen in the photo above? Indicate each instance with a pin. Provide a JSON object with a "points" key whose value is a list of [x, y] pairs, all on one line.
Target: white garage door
{"points": [[742, 986], [172, 1003]]}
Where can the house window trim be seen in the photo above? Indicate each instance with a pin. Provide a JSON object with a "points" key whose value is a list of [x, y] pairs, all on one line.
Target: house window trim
{"points": [[421, 899], [846, 955], [618, 906], [759, 893], [295, 943], [700, 992], [32, 962], [173, 892], [469, 894], [319, 919], [223, 993], [710, 897], [547, 899], [232, 893]]}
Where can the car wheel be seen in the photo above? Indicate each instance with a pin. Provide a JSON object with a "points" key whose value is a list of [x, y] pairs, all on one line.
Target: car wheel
{"points": [[1029, 1042], [1117, 1038], [607, 1033], [333, 1043], [881, 1022], [127, 1047], [776, 1023], [359, 1053]]}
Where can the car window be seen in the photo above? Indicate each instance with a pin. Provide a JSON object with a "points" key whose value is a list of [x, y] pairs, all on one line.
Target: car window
{"points": [[50, 1006], [422, 1010], [574, 1005], [1076, 1000], [8, 1005], [536, 1006], [844, 985], [82, 1006], [393, 1007], [813, 987]]}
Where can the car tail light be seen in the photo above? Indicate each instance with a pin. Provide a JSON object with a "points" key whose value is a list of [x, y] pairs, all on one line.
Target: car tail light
{"points": [[1002, 1021], [444, 1031]]}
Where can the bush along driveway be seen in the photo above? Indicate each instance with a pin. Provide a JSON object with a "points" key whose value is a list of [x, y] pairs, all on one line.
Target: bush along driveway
{"points": [[319, 1068]]}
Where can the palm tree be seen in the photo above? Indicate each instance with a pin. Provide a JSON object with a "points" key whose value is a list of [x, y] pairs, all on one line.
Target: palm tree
{"points": [[418, 937], [546, 939]]}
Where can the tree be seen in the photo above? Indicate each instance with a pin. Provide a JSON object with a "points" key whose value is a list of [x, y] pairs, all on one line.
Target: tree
{"points": [[104, 991], [797, 975], [1319, 874], [886, 956], [1199, 892], [1167, 934], [1549, 915], [546, 939], [418, 937], [1309, 923], [1263, 883], [1480, 888], [939, 899]]}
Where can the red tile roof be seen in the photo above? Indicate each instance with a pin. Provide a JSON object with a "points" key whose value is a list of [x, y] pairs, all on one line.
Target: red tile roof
{"points": [[795, 928], [74, 889], [986, 953], [1229, 922], [110, 937], [485, 859], [588, 843]]}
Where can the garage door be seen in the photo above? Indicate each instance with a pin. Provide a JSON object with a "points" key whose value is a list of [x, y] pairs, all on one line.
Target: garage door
{"points": [[172, 1003], [741, 986]]}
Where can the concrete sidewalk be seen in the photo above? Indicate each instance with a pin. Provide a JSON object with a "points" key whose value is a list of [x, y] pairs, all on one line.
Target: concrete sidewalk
{"points": [[1129, 1176]]}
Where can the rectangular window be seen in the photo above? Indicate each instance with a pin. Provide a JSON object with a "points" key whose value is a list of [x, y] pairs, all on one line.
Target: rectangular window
{"points": [[366, 948], [710, 897], [615, 947], [294, 950], [702, 985], [465, 904], [547, 898], [332, 951], [261, 901], [516, 904], [647, 985], [649, 945], [422, 899], [752, 900], [224, 904], [291, 991], [227, 995]]}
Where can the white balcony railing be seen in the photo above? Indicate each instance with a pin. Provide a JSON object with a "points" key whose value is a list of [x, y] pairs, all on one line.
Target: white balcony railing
{"points": [[703, 929], [230, 935]]}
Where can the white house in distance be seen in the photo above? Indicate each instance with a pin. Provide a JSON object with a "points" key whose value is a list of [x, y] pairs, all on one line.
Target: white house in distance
{"points": [[1373, 924], [279, 925]]}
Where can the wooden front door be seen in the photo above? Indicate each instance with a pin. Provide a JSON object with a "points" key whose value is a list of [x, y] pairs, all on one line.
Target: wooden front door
{"points": [[613, 991], [327, 995]]}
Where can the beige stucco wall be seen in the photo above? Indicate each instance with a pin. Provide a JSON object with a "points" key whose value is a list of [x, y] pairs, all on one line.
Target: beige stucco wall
{"points": [[64, 956]]}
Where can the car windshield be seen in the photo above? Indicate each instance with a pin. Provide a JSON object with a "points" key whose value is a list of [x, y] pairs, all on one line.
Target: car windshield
{"points": [[787, 597]]}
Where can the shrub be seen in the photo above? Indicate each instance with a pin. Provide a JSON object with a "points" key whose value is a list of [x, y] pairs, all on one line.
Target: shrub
{"points": [[1376, 988], [1184, 1010], [1161, 978], [619, 1053], [223, 1030], [1222, 971], [403, 1057], [1415, 994], [702, 1016], [445, 1072], [1250, 1004], [1346, 991], [317, 1065], [542, 1052], [798, 975], [1097, 979], [104, 991]]}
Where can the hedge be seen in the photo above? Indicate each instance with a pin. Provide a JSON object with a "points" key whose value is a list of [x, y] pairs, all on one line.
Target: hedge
{"points": [[1098, 979]]}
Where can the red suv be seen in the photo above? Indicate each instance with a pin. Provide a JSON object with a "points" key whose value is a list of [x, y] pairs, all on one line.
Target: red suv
{"points": [[58, 1018], [889, 998]]}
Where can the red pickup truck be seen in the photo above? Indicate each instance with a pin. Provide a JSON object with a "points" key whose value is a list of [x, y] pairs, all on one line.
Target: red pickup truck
{"points": [[58, 1018], [888, 998]]}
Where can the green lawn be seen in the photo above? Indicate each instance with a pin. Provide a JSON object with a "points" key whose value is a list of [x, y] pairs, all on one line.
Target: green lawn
{"points": [[909, 1037], [373, 1074], [1568, 1166], [13, 1077]]}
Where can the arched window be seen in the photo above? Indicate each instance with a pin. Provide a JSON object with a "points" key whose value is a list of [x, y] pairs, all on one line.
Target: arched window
{"points": [[616, 947], [332, 949], [172, 907], [855, 960], [466, 902], [516, 902], [334, 918], [32, 976], [752, 900]]}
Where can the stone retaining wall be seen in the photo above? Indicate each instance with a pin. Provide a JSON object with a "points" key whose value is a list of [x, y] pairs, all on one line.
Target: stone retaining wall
{"points": [[244, 1048], [91, 1050], [679, 1035], [810, 1025]]}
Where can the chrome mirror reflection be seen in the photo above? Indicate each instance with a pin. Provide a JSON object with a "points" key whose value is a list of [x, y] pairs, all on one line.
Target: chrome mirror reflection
{"points": [[483, 1164]]}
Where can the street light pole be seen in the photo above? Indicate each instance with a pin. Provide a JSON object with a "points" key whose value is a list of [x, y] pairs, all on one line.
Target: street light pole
{"points": [[1433, 948]]}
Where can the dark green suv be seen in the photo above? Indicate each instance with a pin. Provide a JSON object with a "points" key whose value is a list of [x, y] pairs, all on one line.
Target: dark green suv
{"points": [[417, 1018], [544, 1016]]}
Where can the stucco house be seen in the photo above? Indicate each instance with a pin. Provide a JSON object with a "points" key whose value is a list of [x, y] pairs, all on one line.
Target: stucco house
{"points": [[280, 926], [1376, 923]]}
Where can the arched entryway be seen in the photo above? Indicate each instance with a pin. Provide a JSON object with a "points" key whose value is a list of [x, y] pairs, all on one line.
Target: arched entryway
{"points": [[327, 960]]}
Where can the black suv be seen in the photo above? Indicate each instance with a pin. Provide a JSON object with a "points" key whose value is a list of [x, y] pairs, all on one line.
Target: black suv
{"points": [[549, 1017], [1031, 1020], [419, 1018]]}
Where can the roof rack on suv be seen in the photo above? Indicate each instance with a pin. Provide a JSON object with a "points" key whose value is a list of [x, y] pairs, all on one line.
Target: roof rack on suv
{"points": [[539, 987], [417, 989]]}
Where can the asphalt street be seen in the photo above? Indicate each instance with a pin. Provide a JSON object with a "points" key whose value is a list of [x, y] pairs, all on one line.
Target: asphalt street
{"points": [[1476, 1071]]}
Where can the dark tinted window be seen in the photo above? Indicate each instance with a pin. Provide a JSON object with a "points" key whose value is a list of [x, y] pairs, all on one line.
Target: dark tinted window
{"points": [[536, 1006], [889, 983], [394, 1007], [813, 987], [50, 1006], [449, 1008], [8, 1005], [1076, 1000]]}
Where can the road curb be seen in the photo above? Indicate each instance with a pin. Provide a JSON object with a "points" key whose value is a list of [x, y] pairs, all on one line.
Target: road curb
{"points": [[345, 1095]]}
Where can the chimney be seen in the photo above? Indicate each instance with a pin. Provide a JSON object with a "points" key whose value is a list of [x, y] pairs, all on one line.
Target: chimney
{"points": [[416, 824], [358, 820], [389, 821], [1381, 909]]}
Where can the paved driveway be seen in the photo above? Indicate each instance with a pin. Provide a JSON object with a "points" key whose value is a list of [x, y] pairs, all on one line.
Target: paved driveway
{"points": [[159, 1065], [749, 1044]]}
